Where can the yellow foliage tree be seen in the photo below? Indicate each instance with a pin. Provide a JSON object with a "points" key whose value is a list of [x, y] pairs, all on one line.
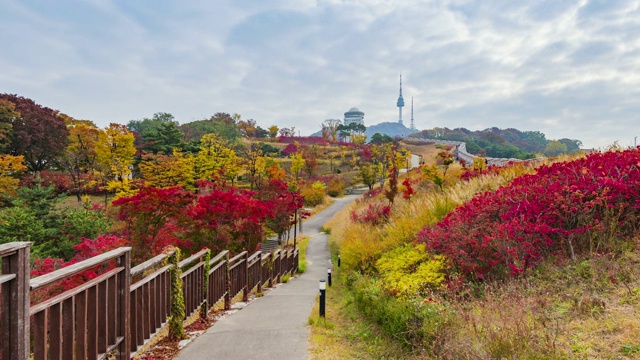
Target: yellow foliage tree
{"points": [[254, 166], [10, 167], [114, 158], [162, 171], [358, 139], [80, 155], [297, 163], [215, 155]]}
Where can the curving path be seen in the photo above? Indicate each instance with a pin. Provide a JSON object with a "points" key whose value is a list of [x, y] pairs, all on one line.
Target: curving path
{"points": [[275, 325]]}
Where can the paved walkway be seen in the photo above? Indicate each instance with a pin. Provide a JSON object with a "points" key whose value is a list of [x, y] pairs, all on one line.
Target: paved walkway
{"points": [[275, 325]]}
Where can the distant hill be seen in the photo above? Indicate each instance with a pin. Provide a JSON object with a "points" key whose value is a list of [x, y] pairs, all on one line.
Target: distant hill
{"points": [[503, 143], [392, 129]]}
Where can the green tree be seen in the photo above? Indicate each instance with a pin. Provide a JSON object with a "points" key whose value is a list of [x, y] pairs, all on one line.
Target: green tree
{"points": [[368, 174], [167, 137], [555, 148]]}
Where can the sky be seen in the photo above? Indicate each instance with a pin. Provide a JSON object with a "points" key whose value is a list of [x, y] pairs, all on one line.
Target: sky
{"points": [[567, 68]]}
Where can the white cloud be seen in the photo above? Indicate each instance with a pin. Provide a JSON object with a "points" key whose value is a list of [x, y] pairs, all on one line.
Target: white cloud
{"points": [[566, 68]]}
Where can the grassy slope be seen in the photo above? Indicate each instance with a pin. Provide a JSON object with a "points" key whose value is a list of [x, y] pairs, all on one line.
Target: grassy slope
{"points": [[587, 309]]}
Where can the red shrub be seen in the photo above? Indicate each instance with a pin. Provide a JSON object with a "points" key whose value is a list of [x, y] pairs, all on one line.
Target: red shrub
{"points": [[374, 214], [564, 210]]}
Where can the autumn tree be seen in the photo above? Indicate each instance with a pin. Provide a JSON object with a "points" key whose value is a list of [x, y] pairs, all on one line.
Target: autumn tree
{"points": [[228, 218], [358, 139], [10, 169], [297, 163], [154, 218], [248, 128], [39, 134], [114, 158], [163, 171], [254, 165], [288, 132], [283, 201], [330, 129], [8, 115], [555, 148], [367, 173], [310, 163], [80, 155], [273, 131], [215, 155]]}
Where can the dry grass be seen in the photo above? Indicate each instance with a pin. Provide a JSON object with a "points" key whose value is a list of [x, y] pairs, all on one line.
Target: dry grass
{"points": [[427, 151]]}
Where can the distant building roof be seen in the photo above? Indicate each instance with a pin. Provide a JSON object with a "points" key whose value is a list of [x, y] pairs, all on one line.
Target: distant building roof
{"points": [[353, 110]]}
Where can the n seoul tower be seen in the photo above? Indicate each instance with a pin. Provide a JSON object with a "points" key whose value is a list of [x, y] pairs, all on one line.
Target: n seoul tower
{"points": [[400, 102]]}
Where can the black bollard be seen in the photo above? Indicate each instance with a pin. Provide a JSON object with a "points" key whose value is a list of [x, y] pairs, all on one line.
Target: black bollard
{"points": [[329, 276], [323, 289], [338, 260]]}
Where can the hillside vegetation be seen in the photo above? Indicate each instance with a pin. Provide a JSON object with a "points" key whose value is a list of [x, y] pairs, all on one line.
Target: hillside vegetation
{"points": [[520, 262], [504, 143]]}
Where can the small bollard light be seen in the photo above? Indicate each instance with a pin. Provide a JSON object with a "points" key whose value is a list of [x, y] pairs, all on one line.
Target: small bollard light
{"points": [[338, 260], [329, 276], [323, 289]]}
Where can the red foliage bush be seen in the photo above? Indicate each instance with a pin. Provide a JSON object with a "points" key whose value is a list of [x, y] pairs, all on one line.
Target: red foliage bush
{"points": [[290, 149], [61, 181], [565, 210], [86, 249], [374, 214]]}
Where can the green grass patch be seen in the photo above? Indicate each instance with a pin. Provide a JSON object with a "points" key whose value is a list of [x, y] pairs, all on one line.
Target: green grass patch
{"points": [[302, 253], [345, 333]]}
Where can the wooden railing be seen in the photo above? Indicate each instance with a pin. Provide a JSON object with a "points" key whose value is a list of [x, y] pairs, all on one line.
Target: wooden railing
{"points": [[122, 309]]}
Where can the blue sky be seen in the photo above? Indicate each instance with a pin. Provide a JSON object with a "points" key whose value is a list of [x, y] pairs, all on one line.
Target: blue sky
{"points": [[568, 68]]}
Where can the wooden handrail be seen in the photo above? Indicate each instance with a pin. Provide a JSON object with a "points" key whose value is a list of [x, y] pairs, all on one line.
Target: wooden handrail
{"points": [[150, 263], [218, 257], [150, 277], [10, 248], [193, 258], [236, 264], [5, 278], [76, 290], [241, 255], [192, 269], [70, 270]]}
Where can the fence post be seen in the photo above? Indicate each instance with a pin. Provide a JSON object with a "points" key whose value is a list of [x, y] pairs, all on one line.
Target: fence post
{"points": [[245, 292], [124, 306], [204, 310], [271, 265], [227, 284], [260, 274], [15, 301]]}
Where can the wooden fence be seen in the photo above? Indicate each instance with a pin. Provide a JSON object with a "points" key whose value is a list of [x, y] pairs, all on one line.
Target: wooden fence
{"points": [[120, 310]]}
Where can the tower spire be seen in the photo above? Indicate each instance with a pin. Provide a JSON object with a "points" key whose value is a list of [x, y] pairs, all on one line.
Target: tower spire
{"points": [[400, 102], [413, 126]]}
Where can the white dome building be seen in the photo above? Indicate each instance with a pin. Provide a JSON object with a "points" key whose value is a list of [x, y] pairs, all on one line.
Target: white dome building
{"points": [[354, 116]]}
